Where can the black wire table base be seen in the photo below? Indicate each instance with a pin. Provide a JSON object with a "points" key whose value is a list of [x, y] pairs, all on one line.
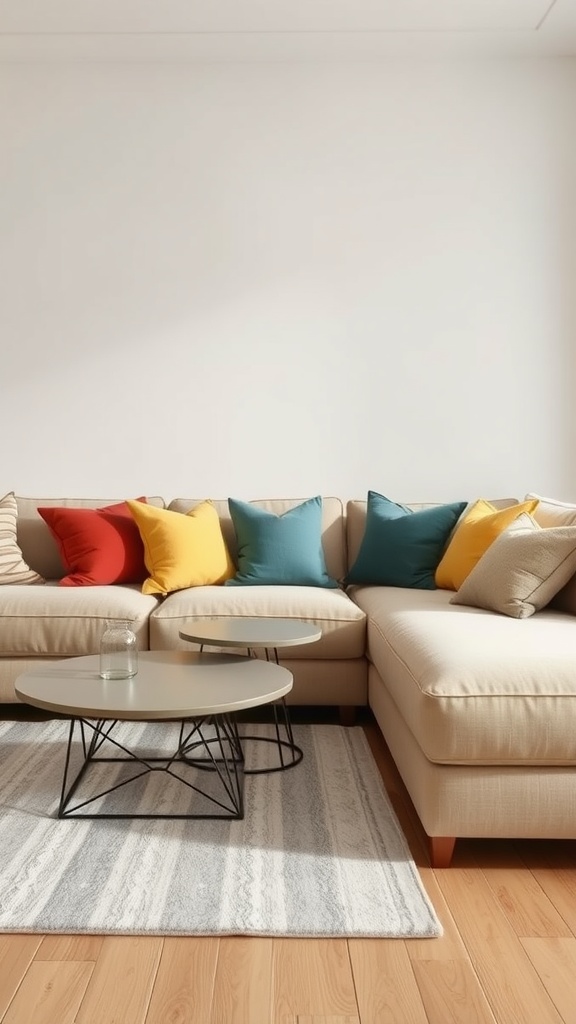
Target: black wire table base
{"points": [[289, 753], [215, 738]]}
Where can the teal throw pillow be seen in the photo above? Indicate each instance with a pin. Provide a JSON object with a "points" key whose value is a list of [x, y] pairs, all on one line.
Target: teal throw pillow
{"points": [[284, 549], [401, 548]]}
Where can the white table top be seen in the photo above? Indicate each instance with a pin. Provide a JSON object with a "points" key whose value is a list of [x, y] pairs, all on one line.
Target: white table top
{"points": [[169, 684], [231, 631]]}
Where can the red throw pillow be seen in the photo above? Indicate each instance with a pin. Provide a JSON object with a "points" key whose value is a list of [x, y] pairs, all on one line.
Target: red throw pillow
{"points": [[97, 545]]}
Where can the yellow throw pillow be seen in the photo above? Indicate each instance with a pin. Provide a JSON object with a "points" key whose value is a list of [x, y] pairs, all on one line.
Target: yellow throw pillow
{"points": [[182, 550], [477, 528]]}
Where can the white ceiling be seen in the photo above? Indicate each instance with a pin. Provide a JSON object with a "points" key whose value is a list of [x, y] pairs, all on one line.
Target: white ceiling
{"points": [[177, 30]]}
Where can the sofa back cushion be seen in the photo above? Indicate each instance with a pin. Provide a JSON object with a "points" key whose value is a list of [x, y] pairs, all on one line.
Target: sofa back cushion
{"points": [[356, 520], [38, 546], [333, 531]]}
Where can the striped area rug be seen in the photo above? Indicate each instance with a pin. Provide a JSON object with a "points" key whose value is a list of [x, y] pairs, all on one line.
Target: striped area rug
{"points": [[318, 853]]}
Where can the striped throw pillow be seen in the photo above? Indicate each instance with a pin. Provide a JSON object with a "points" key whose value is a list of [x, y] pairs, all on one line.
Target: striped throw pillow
{"points": [[13, 568]]}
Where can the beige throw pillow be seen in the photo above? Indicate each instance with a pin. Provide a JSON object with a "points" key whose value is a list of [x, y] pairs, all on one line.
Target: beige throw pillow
{"points": [[551, 512], [13, 568], [522, 569]]}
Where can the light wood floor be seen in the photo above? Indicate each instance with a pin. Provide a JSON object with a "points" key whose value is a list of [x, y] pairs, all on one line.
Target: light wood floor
{"points": [[508, 955]]}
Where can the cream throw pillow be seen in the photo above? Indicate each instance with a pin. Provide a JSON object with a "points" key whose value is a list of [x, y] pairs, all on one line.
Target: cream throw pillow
{"points": [[522, 569], [551, 512], [13, 568]]}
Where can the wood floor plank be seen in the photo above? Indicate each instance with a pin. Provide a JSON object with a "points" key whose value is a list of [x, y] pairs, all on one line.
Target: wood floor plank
{"points": [[122, 981], [555, 961], [184, 985], [386, 989], [518, 892], [513, 990], [558, 853], [16, 955], [51, 991], [70, 947], [307, 1019], [451, 993], [243, 981], [559, 883], [312, 976]]}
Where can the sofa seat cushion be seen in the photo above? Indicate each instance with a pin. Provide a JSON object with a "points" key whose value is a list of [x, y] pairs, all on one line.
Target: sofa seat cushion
{"points": [[342, 622], [473, 686], [67, 621]]}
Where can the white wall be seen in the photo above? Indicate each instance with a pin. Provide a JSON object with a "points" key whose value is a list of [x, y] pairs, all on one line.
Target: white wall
{"points": [[288, 280]]}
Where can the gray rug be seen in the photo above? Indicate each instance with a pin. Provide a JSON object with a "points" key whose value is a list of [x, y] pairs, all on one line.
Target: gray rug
{"points": [[319, 852]]}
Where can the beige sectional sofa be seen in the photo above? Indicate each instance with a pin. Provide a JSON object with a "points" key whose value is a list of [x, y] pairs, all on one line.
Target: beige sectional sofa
{"points": [[478, 709]]}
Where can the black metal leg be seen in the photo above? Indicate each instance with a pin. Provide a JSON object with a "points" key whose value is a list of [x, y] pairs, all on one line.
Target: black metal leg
{"points": [[227, 802], [191, 751], [289, 753]]}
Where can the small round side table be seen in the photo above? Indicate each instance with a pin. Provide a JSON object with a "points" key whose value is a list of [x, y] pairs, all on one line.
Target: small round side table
{"points": [[268, 634]]}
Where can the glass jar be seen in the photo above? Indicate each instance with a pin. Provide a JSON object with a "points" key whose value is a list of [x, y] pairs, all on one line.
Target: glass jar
{"points": [[118, 650]]}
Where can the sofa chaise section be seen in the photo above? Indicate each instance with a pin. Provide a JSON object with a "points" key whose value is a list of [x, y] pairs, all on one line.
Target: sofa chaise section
{"points": [[478, 711]]}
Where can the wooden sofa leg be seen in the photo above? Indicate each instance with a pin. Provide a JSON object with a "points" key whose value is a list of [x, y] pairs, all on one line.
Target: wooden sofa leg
{"points": [[441, 849], [347, 714]]}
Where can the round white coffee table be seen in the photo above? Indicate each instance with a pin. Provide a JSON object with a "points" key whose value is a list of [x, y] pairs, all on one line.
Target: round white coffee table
{"points": [[268, 634], [201, 691]]}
